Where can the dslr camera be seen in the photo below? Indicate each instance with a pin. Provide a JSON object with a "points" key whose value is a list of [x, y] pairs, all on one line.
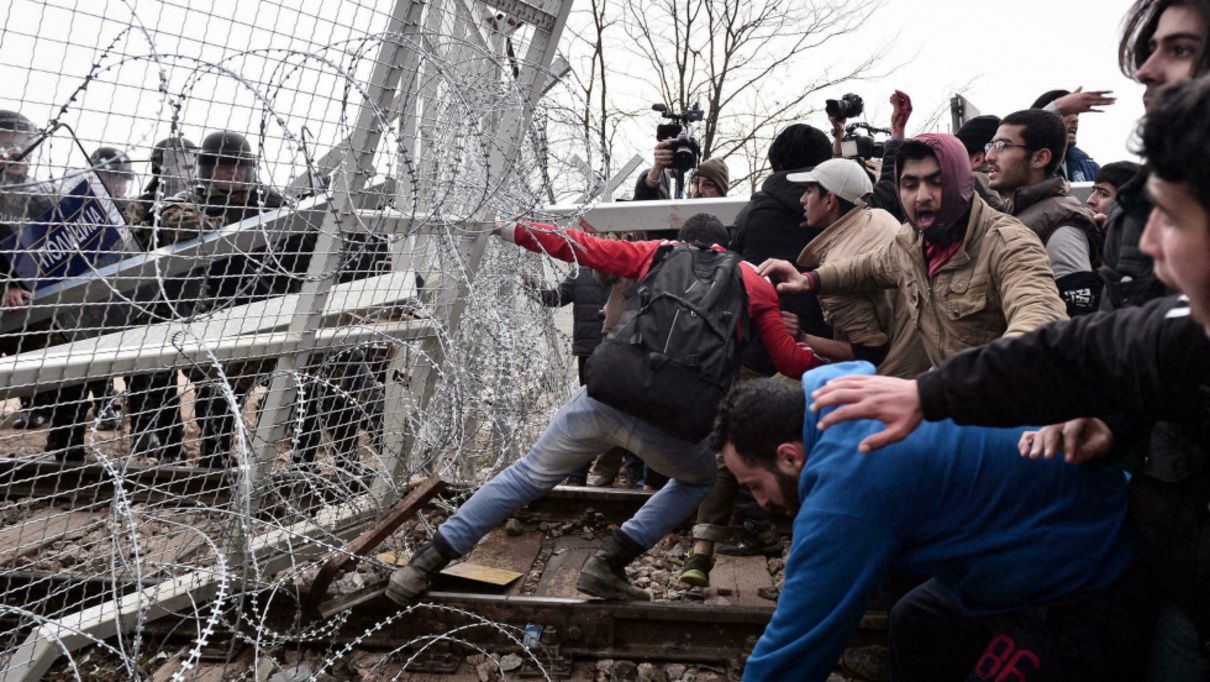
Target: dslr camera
{"points": [[686, 152], [859, 147], [848, 106]]}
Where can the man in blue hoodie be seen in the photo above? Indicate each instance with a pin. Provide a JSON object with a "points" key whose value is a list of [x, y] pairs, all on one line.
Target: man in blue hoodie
{"points": [[1029, 558]]}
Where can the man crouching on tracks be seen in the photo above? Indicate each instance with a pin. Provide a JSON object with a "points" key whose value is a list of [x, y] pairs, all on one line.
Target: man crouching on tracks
{"points": [[652, 387], [1029, 558]]}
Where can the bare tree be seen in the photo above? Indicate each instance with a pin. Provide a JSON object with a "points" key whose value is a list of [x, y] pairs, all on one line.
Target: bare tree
{"points": [[743, 61], [752, 65]]}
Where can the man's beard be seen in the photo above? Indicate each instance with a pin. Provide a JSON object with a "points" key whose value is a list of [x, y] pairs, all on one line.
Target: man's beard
{"points": [[788, 485]]}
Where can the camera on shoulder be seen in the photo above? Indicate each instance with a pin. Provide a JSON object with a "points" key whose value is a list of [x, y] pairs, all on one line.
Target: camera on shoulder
{"points": [[856, 146]]}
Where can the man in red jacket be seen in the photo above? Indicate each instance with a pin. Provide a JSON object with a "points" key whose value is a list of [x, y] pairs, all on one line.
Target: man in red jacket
{"points": [[584, 428]]}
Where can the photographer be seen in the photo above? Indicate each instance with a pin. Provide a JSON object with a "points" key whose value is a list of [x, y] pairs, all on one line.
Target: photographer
{"points": [[886, 192]]}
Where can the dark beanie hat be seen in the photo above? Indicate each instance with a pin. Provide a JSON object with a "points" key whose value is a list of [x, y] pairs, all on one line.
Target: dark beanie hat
{"points": [[977, 132], [799, 146], [715, 170]]}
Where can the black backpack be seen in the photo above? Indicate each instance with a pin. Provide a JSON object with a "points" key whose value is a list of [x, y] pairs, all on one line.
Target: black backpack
{"points": [[675, 351]]}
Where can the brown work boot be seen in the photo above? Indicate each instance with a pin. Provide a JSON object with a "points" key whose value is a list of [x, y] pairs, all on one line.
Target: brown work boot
{"points": [[413, 580], [604, 575]]}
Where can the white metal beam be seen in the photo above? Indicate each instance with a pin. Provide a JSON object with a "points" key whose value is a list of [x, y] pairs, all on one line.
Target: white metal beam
{"points": [[627, 216], [48, 369]]}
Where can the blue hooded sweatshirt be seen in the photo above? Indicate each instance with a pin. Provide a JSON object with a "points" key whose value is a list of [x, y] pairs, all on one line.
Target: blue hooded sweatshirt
{"points": [[954, 502], [1078, 166]]}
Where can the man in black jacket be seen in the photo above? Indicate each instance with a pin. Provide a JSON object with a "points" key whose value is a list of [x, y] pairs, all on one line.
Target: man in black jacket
{"points": [[227, 191], [1142, 364]]}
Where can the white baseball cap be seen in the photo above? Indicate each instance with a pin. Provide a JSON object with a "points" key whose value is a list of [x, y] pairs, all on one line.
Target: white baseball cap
{"points": [[843, 177]]}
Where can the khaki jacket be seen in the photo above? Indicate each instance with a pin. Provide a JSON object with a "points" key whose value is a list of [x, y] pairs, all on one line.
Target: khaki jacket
{"points": [[998, 284], [869, 318]]}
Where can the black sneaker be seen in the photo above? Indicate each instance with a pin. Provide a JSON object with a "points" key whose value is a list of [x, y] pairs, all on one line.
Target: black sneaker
{"points": [[870, 663], [767, 541]]}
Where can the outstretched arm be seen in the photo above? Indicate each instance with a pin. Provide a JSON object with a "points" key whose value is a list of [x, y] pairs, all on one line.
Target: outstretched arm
{"points": [[1094, 366], [836, 563], [610, 256]]}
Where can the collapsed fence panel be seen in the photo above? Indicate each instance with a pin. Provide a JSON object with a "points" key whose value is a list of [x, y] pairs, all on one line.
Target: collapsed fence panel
{"points": [[249, 296]]}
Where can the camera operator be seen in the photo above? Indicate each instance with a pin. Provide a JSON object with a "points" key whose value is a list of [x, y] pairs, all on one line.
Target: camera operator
{"points": [[886, 190], [709, 180], [676, 152]]}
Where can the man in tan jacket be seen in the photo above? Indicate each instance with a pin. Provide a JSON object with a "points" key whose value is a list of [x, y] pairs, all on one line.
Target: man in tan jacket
{"points": [[966, 274], [865, 326]]}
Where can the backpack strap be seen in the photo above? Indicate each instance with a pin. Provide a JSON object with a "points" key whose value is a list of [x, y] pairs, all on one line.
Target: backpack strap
{"points": [[718, 279]]}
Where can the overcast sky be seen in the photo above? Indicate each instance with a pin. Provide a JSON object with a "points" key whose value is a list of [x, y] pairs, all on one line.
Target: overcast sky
{"points": [[1010, 53], [1002, 54]]}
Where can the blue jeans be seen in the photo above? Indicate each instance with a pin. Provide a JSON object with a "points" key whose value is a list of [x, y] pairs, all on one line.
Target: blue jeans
{"points": [[1176, 651], [580, 431]]}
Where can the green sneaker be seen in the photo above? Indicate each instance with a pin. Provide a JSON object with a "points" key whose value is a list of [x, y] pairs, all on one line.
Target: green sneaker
{"points": [[697, 569]]}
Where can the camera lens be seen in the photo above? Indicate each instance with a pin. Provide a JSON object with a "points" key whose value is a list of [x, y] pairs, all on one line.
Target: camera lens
{"points": [[683, 158]]}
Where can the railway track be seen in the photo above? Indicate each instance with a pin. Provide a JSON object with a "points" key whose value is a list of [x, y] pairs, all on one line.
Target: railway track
{"points": [[539, 616]]}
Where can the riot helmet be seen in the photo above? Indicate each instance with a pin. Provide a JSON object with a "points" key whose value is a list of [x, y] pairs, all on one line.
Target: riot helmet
{"points": [[16, 132], [113, 167], [173, 166], [226, 164]]}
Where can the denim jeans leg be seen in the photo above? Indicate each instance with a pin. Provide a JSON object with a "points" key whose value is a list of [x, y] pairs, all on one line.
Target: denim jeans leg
{"points": [[690, 468], [579, 432]]}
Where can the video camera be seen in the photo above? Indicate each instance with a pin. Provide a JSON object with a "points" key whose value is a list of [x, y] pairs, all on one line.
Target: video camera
{"points": [[686, 152], [854, 146]]}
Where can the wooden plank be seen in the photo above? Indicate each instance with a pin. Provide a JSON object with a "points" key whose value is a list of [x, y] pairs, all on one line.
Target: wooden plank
{"points": [[738, 578], [499, 550], [45, 527], [479, 573], [365, 543], [563, 568]]}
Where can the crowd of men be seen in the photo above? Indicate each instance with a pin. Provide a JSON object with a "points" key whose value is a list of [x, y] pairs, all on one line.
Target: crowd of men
{"points": [[893, 354], [961, 296]]}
